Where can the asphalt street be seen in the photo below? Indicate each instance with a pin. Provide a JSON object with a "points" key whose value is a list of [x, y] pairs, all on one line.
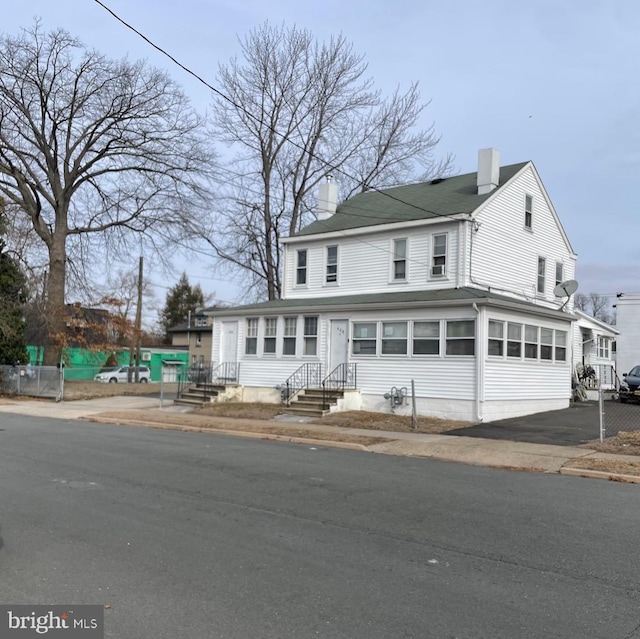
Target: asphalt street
{"points": [[200, 535]]}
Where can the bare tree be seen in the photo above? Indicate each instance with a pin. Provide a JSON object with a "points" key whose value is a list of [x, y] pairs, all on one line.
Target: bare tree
{"points": [[298, 111], [596, 305], [96, 153]]}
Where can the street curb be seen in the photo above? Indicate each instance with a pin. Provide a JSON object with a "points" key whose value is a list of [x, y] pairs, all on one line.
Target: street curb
{"points": [[235, 433], [600, 474]]}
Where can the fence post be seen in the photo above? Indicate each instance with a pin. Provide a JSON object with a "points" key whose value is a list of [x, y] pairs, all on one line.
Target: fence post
{"points": [[601, 409]]}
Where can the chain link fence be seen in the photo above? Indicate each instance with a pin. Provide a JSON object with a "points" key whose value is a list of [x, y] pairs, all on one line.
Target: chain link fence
{"points": [[33, 381], [619, 409]]}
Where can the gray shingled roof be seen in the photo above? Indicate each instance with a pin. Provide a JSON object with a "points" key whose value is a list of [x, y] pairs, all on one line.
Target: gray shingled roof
{"points": [[465, 295], [424, 200]]}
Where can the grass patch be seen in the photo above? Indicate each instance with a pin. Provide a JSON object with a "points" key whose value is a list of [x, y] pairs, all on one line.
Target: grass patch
{"points": [[606, 466], [624, 443], [389, 421], [240, 410]]}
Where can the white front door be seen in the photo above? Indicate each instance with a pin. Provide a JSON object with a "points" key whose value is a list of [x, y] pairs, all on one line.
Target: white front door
{"points": [[339, 353], [228, 351]]}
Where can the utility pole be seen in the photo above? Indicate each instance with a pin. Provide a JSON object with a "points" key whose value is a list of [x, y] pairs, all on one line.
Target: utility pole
{"points": [[137, 331]]}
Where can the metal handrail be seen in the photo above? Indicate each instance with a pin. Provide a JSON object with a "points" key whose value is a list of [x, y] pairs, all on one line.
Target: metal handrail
{"points": [[341, 377], [307, 376], [225, 373]]}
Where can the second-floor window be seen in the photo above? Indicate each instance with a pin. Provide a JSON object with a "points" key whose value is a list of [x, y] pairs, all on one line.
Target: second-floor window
{"points": [[198, 339], [542, 267], [270, 334], [559, 273], [301, 267], [400, 259], [332, 264], [439, 255]]}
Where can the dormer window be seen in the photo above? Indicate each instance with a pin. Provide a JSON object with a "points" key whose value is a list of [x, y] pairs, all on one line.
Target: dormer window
{"points": [[439, 257], [528, 212]]}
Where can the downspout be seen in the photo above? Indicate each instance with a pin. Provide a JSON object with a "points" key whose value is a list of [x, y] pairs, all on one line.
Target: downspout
{"points": [[479, 365]]}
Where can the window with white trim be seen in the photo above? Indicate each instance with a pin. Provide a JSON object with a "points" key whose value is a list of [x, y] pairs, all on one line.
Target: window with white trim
{"points": [[439, 255], [364, 338], [604, 347], [496, 338], [310, 336], [394, 338], [301, 267], [514, 340], [426, 338], [332, 264], [542, 267], [546, 343], [270, 335], [289, 339], [251, 337], [400, 259], [559, 273], [528, 212], [530, 341], [461, 337], [561, 346]]}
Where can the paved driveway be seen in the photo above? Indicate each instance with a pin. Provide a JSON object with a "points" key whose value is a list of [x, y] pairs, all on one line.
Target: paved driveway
{"points": [[569, 427]]}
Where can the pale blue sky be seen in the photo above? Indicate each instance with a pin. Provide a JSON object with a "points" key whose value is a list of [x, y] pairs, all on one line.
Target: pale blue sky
{"points": [[547, 81]]}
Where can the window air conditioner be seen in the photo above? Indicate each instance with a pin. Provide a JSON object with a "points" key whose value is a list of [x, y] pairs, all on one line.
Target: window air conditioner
{"points": [[437, 269], [145, 357]]}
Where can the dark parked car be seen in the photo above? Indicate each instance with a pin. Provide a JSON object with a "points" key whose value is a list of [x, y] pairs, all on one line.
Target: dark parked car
{"points": [[629, 386]]}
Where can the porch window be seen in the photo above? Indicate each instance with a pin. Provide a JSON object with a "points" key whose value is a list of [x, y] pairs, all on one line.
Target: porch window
{"points": [[496, 338], [530, 342], [310, 335], [332, 264], [546, 343], [301, 267], [514, 340], [426, 338], [439, 257], [400, 259], [561, 346], [604, 347], [289, 340], [270, 334], [394, 338], [461, 337], [542, 267], [251, 338], [528, 212], [364, 338]]}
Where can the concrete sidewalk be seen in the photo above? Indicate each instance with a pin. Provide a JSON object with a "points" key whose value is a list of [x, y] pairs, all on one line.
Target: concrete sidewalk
{"points": [[494, 453]]}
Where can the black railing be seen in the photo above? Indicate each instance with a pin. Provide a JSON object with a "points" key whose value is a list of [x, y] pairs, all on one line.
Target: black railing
{"points": [[307, 376], [341, 377], [207, 374]]}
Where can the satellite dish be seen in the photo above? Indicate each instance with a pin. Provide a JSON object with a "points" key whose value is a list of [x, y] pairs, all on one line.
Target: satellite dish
{"points": [[565, 289]]}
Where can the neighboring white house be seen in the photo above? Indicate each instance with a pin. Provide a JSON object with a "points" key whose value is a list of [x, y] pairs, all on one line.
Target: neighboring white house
{"points": [[594, 347], [448, 283], [628, 324]]}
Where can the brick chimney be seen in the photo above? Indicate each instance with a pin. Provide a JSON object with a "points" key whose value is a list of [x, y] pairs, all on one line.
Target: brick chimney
{"points": [[327, 199], [488, 170]]}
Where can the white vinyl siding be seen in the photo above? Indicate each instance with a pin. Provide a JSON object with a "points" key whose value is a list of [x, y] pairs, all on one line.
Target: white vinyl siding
{"points": [[366, 264], [504, 254]]}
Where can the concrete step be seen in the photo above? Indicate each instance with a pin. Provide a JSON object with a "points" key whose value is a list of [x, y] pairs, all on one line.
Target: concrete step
{"points": [[182, 401], [304, 412], [202, 397], [301, 403]]}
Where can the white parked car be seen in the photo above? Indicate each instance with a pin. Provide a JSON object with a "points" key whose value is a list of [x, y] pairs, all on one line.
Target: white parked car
{"points": [[121, 374]]}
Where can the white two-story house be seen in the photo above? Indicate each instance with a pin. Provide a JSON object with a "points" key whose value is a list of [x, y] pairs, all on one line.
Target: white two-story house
{"points": [[446, 286]]}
